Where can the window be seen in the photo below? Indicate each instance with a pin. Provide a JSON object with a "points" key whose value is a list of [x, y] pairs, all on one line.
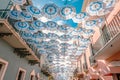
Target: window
{"points": [[3, 67], [37, 77], [32, 75], [21, 74]]}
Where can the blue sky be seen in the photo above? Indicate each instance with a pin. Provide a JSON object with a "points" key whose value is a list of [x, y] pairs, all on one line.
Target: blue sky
{"points": [[75, 3]]}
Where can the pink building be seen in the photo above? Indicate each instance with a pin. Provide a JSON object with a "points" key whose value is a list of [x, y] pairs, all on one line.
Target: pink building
{"points": [[101, 61]]}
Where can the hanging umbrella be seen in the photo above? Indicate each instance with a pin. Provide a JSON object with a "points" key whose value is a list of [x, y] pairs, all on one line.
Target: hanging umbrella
{"points": [[63, 49], [77, 31], [81, 17], [32, 30], [38, 25], [26, 35], [95, 7], [30, 41], [100, 22], [51, 25], [43, 43], [53, 42], [19, 2], [52, 36], [90, 24], [50, 10], [65, 37], [63, 28], [65, 45], [36, 42], [14, 14], [34, 11], [76, 37], [25, 16], [88, 33], [42, 51], [40, 35], [50, 57], [84, 41], [21, 26], [39, 47], [67, 12], [109, 3]]}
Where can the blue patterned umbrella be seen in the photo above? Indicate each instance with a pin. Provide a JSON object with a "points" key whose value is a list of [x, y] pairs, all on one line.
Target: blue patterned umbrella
{"points": [[25, 16], [43, 43], [42, 51], [21, 26], [109, 3], [90, 24], [52, 36], [30, 41], [63, 28], [77, 31], [26, 35], [41, 35], [39, 47], [53, 42], [51, 25], [76, 37], [50, 57], [100, 21], [67, 12], [88, 33], [37, 24], [81, 17], [34, 11], [65, 45], [65, 37], [14, 14], [84, 41], [32, 30], [36, 42], [63, 49], [95, 7], [19, 2], [50, 10]]}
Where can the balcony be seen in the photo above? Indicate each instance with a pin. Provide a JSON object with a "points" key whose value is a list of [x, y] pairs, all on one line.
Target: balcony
{"points": [[108, 43], [92, 61], [14, 39]]}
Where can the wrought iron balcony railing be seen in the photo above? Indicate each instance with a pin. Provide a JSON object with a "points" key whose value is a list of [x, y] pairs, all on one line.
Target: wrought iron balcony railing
{"points": [[109, 32], [4, 15]]}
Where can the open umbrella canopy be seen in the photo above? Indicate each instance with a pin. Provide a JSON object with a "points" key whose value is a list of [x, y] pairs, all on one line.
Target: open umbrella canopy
{"points": [[95, 7], [21, 26], [51, 29], [79, 18], [50, 10], [14, 14], [34, 11], [25, 16], [67, 12]]}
